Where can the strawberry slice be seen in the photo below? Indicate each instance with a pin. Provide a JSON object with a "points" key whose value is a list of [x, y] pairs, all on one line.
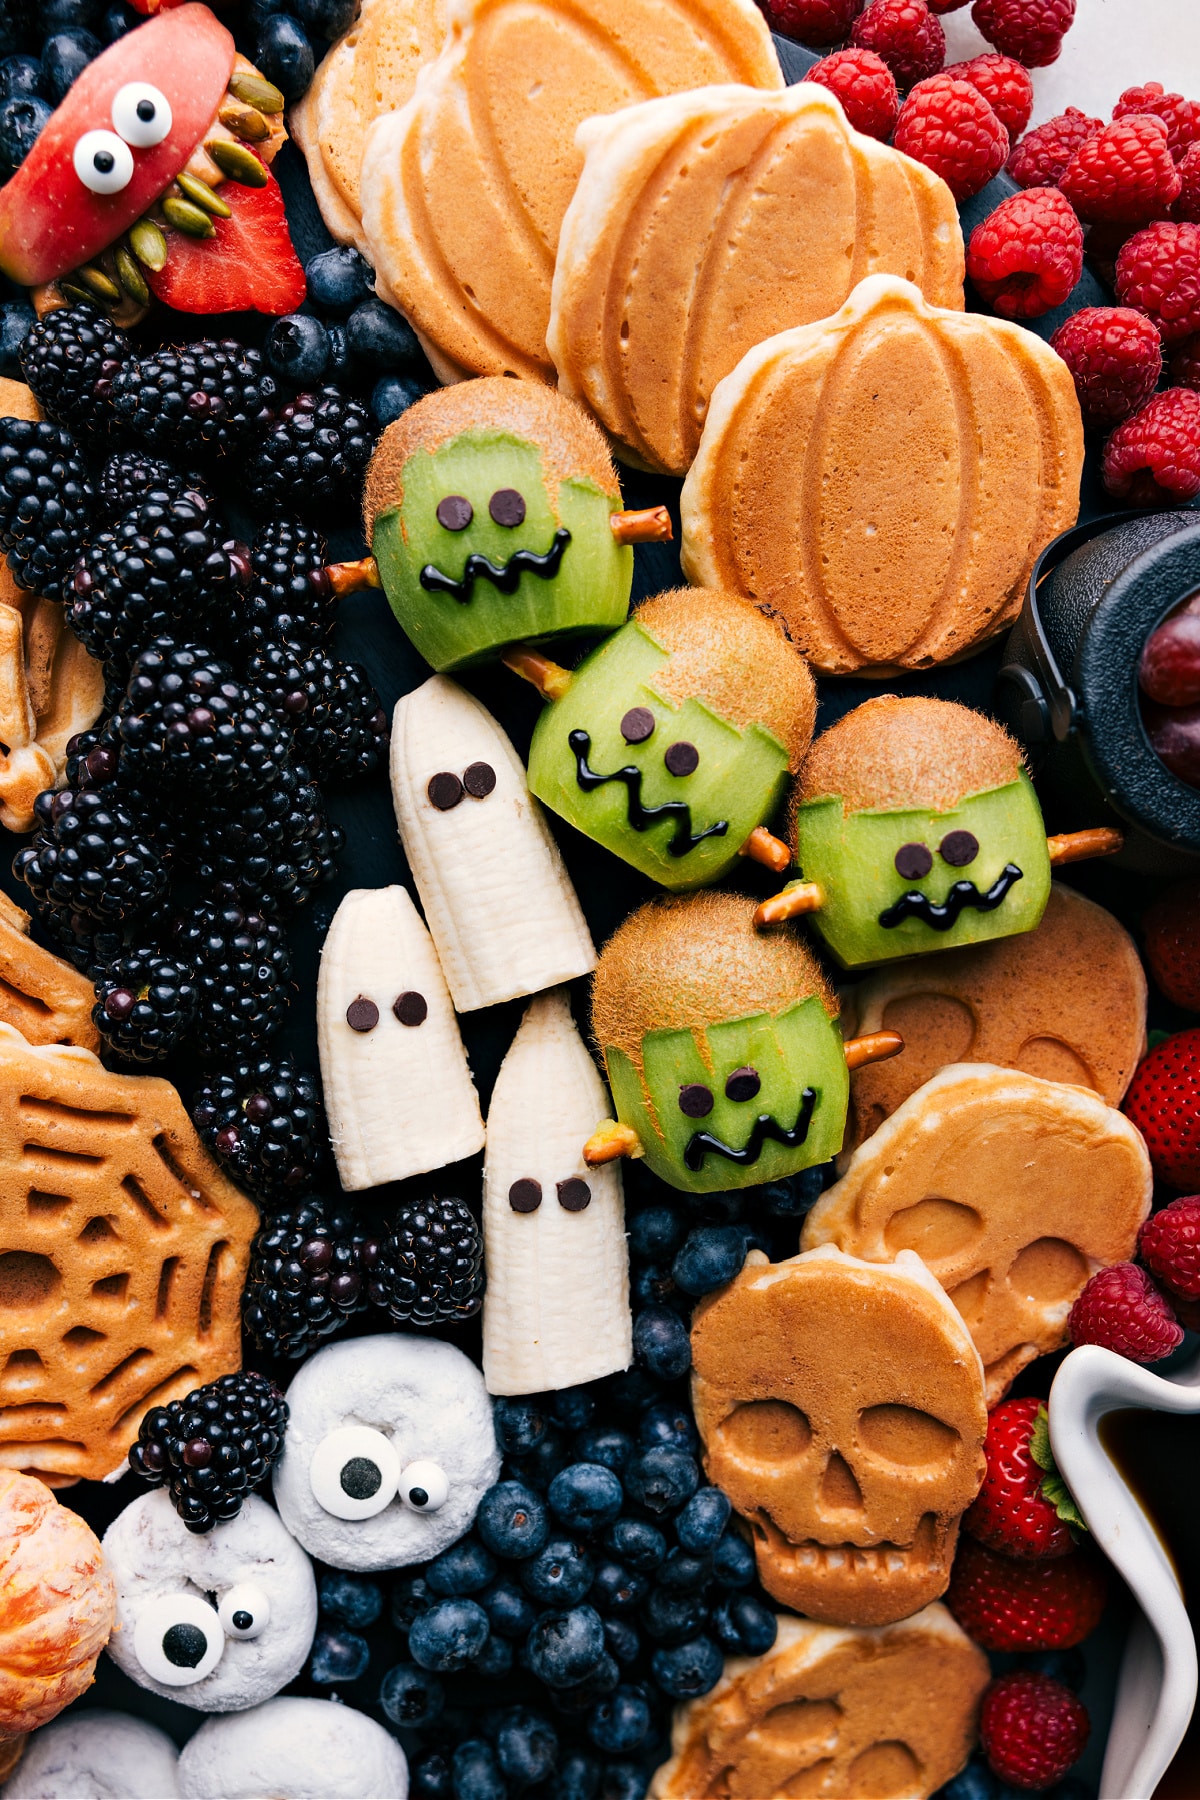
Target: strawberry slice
{"points": [[249, 266]]}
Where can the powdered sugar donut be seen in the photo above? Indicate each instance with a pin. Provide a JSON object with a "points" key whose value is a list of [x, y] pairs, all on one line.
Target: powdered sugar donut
{"points": [[218, 1620], [96, 1755], [294, 1750], [389, 1449]]}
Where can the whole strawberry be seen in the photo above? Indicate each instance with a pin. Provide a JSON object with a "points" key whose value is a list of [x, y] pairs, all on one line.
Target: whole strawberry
{"points": [[907, 36], [1153, 459], [1013, 1511], [1171, 935], [949, 126], [1115, 358], [1181, 117], [1043, 153], [1121, 1310], [866, 88], [1030, 30], [1169, 1243], [1017, 1603], [1126, 175], [1033, 1729], [814, 22], [1004, 84], [1027, 255]]}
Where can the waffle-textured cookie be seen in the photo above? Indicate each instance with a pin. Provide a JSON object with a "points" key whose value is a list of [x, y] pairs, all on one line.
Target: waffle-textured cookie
{"points": [[41, 996]]}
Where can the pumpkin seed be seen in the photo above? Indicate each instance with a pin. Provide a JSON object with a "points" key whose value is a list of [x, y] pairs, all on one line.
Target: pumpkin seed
{"points": [[98, 282], [75, 295], [203, 195], [187, 218], [237, 162], [148, 244], [256, 90], [245, 120], [130, 276]]}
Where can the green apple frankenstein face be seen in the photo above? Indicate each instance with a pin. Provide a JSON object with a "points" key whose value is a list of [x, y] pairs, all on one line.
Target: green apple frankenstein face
{"points": [[676, 737], [721, 1044], [487, 505], [922, 830]]}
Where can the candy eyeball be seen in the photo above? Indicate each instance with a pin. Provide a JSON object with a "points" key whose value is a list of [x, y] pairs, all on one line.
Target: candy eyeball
{"points": [[245, 1611], [141, 114], [355, 1472], [423, 1486], [103, 162], [178, 1639]]}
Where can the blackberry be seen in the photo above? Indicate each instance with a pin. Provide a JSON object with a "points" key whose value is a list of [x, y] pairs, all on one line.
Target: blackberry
{"points": [[290, 598], [200, 400], [166, 565], [338, 725], [269, 850], [315, 453], [429, 1270], [211, 1448], [46, 503], [94, 948], [70, 359], [186, 722], [91, 856], [266, 1123], [145, 1006], [242, 969], [130, 477], [304, 1280], [94, 763]]}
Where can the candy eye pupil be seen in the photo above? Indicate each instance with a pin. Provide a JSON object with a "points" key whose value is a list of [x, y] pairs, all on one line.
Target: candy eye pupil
{"points": [[418, 1497], [184, 1645], [695, 1100], [103, 161], [913, 861], [145, 111], [360, 1478], [243, 1620]]}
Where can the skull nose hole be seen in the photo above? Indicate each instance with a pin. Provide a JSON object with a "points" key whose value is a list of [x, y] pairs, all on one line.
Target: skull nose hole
{"points": [[840, 1492], [970, 1296]]}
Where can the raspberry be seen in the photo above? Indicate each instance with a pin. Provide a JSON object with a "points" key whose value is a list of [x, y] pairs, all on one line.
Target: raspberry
{"points": [[1026, 256], [1115, 358], [907, 36], [949, 126], [1033, 1729], [1006, 87], [1121, 1309], [814, 22], [1040, 158], [1158, 271], [1187, 207], [866, 88], [1030, 30], [1185, 364], [1125, 175], [945, 6], [1026, 1603], [1181, 117], [1169, 1243], [1153, 459]]}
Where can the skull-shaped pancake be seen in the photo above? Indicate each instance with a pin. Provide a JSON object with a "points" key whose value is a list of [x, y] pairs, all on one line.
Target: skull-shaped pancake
{"points": [[1012, 1190], [844, 1714], [841, 1407], [1066, 1001]]}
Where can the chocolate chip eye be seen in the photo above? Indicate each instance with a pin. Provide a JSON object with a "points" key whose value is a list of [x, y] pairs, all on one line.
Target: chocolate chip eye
{"points": [[913, 861], [695, 1100], [743, 1084], [410, 1007], [959, 848], [362, 1014], [507, 507], [525, 1195], [682, 758], [455, 512], [479, 779], [574, 1194], [445, 790], [637, 725]]}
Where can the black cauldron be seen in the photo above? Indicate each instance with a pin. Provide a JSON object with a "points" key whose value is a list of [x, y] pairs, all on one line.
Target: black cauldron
{"points": [[1068, 685]]}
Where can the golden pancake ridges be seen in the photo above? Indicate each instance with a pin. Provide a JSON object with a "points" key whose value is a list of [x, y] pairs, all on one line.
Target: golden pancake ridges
{"points": [[464, 191], [1012, 1190], [884, 479], [704, 222]]}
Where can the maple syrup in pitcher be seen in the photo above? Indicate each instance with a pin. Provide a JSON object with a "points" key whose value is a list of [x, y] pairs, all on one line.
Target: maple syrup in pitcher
{"points": [[1158, 1454]]}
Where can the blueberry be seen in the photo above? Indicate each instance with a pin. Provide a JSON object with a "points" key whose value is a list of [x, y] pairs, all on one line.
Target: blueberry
{"points": [[743, 1626], [284, 55], [65, 55], [449, 1636], [541, 1465], [605, 1678], [618, 1589], [572, 1408], [975, 1782], [586, 1496], [673, 1618], [477, 1773], [338, 1656], [526, 1746], [605, 1444], [710, 1256], [494, 1660], [59, 15], [637, 1543], [411, 1697], [721, 1208], [411, 1596], [431, 1778], [687, 1670], [564, 1647], [510, 1612], [392, 395], [685, 1573], [512, 1520], [338, 280], [20, 75], [351, 1598], [704, 1518], [338, 366], [21, 120], [620, 1722], [16, 322], [656, 1232], [622, 1639], [794, 1197], [670, 1423], [381, 339], [326, 18], [661, 1479], [115, 22], [652, 1284], [660, 1342], [631, 1390], [622, 1781], [465, 1568], [560, 1575], [520, 1425], [1066, 1666], [297, 348], [733, 1561], [578, 1778]]}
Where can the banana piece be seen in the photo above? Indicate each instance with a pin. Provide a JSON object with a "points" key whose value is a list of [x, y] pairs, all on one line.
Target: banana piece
{"points": [[499, 903], [398, 1091], [556, 1310]]}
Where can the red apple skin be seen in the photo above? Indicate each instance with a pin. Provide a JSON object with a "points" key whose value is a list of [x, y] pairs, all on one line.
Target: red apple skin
{"points": [[49, 222]]}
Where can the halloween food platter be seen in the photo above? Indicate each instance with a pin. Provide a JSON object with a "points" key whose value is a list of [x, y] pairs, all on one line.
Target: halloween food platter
{"points": [[585, 859]]}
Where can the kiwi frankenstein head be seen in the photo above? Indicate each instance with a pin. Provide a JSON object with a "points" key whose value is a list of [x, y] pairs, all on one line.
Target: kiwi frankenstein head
{"points": [[675, 738], [918, 823], [487, 508], [721, 1044]]}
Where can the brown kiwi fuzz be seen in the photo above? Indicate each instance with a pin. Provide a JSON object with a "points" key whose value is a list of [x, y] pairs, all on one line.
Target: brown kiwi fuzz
{"points": [[892, 753]]}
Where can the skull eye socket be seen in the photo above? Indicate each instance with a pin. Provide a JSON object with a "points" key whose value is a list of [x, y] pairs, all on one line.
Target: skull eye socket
{"points": [[141, 114], [767, 1432], [958, 848], [354, 1472], [178, 1639], [743, 1084], [103, 162], [507, 507], [695, 1100], [913, 861], [907, 1437]]}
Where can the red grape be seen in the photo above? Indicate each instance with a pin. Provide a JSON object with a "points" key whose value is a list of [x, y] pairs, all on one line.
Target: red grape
{"points": [[1170, 665], [1174, 732]]}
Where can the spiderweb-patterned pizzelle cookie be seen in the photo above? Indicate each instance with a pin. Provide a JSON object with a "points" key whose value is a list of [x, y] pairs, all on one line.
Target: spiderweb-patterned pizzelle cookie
{"points": [[123, 1250], [41, 996]]}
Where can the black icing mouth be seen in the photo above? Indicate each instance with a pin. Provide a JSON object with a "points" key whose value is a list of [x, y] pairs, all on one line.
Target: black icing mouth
{"points": [[642, 817], [916, 905], [504, 576], [703, 1143]]}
